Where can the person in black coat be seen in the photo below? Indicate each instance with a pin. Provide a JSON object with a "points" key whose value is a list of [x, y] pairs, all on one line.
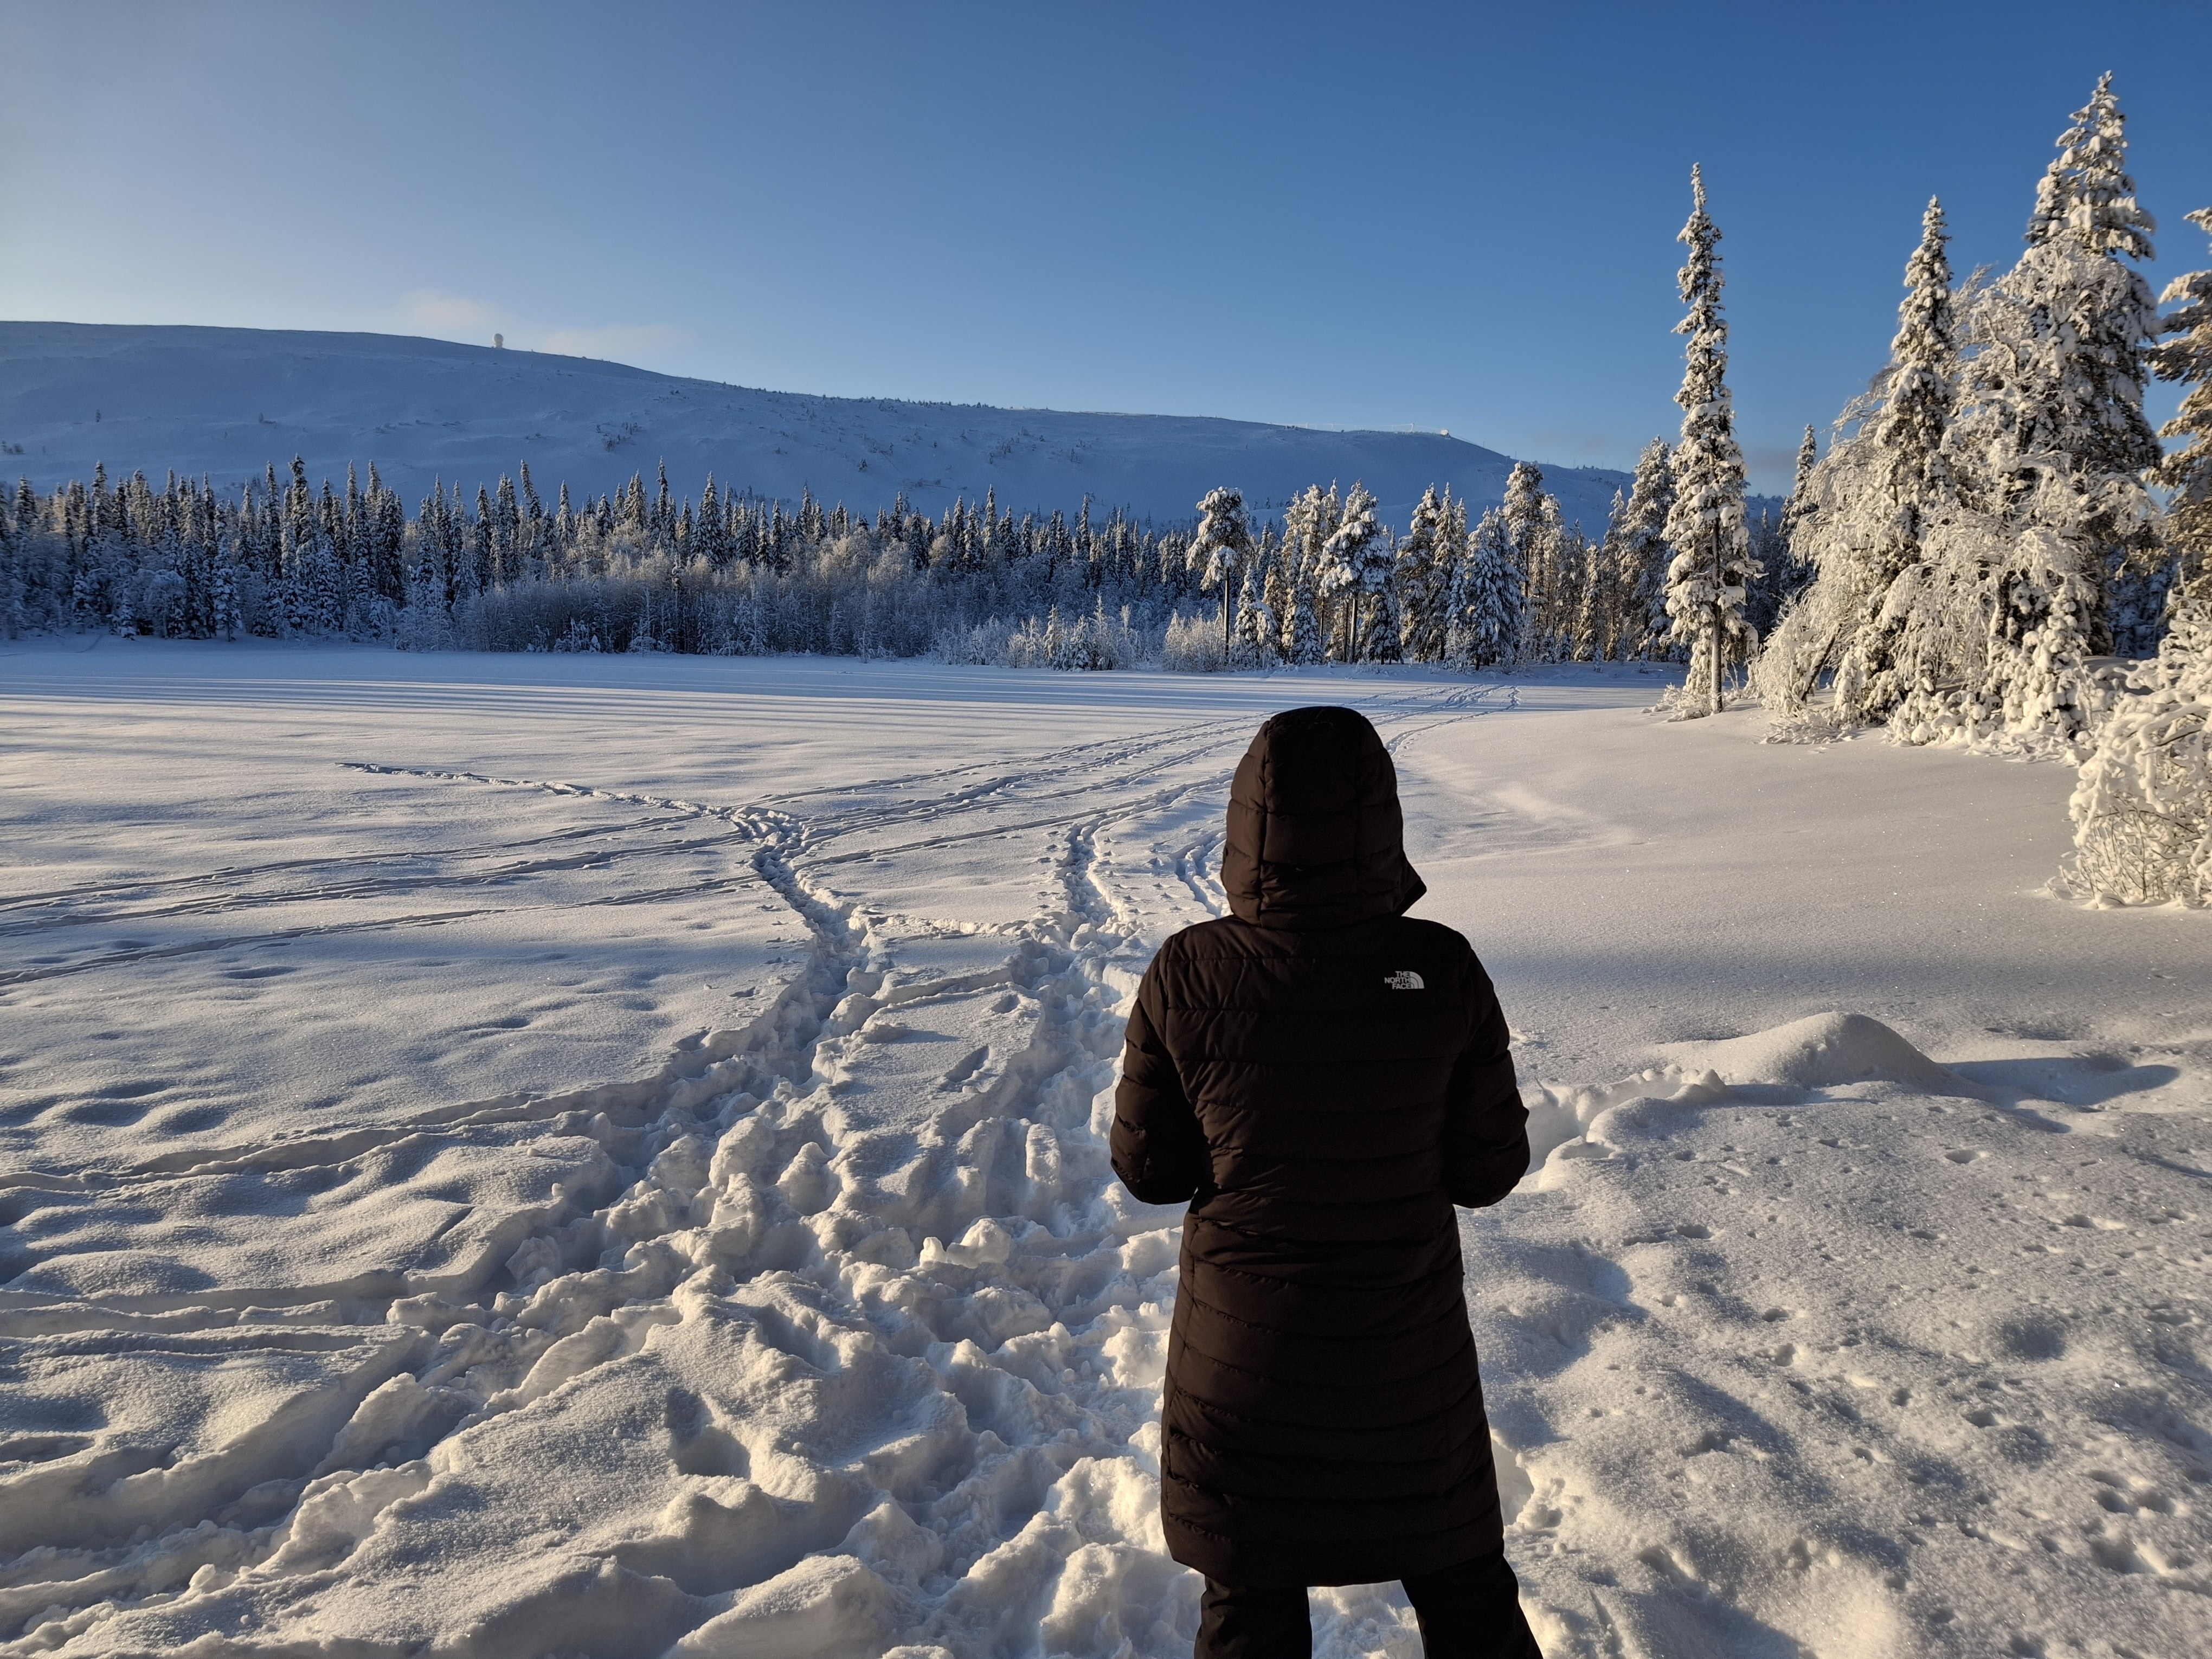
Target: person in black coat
{"points": [[1323, 1078]]}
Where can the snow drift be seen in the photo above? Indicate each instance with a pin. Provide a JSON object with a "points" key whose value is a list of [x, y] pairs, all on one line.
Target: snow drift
{"points": [[1819, 1051]]}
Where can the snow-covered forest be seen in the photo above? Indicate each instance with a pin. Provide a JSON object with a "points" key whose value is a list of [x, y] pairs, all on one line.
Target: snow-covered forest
{"points": [[731, 574]]}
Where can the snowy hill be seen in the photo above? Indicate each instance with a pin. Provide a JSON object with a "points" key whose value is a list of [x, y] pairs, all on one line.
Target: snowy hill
{"points": [[228, 401]]}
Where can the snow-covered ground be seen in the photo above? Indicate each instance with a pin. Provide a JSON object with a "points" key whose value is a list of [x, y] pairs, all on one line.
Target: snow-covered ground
{"points": [[227, 402], [534, 1155]]}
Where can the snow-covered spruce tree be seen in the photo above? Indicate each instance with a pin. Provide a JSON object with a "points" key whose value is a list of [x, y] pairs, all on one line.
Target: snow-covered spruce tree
{"points": [[2085, 195], [160, 590], [1881, 530], [1220, 549], [1636, 536], [1837, 513], [1255, 626], [333, 578], [100, 553], [1788, 564], [1555, 580], [1301, 638], [1522, 510], [1712, 558], [1307, 523], [2047, 450], [1593, 604], [2186, 361], [1799, 505], [2002, 625], [1452, 553], [1356, 560], [1380, 639], [710, 538], [18, 564], [226, 615], [296, 554], [1782, 577], [1531, 518], [1489, 598], [1275, 593], [1614, 621], [41, 558], [2086, 199], [1426, 559]]}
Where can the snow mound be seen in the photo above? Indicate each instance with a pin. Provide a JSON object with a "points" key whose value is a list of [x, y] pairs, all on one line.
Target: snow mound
{"points": [[1818, 1052]]}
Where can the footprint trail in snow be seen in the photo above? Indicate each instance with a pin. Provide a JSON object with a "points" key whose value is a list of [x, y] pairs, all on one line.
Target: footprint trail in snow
{"points": [[836, 1335]]}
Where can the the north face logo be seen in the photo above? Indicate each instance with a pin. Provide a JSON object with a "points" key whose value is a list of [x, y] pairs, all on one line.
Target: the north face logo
{"points": [[1404, 980]]}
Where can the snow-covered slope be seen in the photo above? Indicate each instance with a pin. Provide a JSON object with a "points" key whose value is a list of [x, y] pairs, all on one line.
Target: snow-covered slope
{"points": [[228, 401]]}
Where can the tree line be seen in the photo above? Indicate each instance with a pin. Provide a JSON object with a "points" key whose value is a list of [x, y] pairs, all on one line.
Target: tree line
{"points": [[642, 569]]}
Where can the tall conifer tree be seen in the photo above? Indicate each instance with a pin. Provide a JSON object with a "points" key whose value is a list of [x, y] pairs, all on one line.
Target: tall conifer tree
{"points": [[1913, 474], [1488, 606], [2186, 359], [2087, 201], [1712, 559], [1426, 559], [1220, 551], [1356, 560], [2085, 195], [1302, 637], [1637, 535]]}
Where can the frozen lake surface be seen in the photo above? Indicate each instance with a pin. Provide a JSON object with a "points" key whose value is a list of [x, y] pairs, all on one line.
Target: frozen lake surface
{"points": [[567, 1155]]}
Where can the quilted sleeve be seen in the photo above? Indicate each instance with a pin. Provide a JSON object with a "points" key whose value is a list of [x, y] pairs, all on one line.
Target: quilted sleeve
{"points": [[1158, 1150], [1486, 1145]]}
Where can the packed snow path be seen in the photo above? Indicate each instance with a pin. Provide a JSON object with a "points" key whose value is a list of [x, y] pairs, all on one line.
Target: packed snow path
{"points": [[832, 1334]]}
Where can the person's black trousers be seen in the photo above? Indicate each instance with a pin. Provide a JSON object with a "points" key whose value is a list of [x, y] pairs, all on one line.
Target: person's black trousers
{"points": [[1472, 1610]]}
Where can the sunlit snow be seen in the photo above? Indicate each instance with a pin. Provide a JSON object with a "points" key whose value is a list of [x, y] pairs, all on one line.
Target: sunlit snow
{"points": [[531, 1155]]}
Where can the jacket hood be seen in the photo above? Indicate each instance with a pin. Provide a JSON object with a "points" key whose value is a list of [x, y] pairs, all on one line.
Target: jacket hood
{"points": [[1315, 837]]}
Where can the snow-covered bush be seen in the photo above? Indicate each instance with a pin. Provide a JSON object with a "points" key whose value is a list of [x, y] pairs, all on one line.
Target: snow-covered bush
{"points": [[1193, 646], [2142, 809], [157, 602], [1090, 642], [979, 645]]}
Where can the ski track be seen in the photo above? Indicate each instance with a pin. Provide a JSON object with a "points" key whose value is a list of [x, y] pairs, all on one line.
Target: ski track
{"points": [[974, 1273]]}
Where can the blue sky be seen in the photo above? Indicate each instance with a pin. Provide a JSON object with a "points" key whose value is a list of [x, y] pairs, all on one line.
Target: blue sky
{"points": [[1454, 217]]}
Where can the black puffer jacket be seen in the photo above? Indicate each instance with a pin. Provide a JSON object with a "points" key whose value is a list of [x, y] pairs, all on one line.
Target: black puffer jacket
{"points": [[1323, 1078]]}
